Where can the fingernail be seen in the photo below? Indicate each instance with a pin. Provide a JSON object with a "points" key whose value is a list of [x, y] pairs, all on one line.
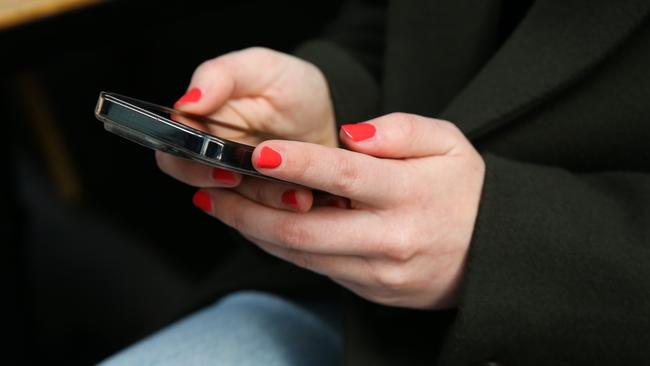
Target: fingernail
{"points": [[192, 96], [203, 201], [268, 158], [290, 198], [223, 176], [359, 131]]}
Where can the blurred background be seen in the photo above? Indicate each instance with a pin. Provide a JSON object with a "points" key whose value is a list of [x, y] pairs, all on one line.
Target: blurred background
{"points": [[99, 248]]}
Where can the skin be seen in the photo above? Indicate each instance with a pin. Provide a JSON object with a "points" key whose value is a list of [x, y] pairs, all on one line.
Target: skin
{"points": [[412, 189]]}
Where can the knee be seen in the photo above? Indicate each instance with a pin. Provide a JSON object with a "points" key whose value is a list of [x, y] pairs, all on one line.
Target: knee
{"points": [[247, 298]]}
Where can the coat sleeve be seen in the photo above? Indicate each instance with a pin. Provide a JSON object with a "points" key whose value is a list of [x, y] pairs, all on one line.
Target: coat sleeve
{"points": [[558, 270], [350, 55]]}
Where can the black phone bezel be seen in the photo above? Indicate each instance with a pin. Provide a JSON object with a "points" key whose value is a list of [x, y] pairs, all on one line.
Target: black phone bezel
{"points": [[137, 120]]}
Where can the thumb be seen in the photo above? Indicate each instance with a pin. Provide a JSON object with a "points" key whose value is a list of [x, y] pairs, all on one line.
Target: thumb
{"points": [[248, 72], [401, 135]]}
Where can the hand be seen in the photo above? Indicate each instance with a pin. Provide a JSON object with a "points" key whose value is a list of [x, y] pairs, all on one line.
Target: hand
{"points": [[260, 89], [414, 185]]}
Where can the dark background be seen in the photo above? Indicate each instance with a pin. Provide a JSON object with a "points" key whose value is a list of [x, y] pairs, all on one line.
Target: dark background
{"points": [[98, 247]]}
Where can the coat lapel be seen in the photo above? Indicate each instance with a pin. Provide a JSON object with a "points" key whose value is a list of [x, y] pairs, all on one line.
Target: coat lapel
{"points": [[557, 42]]}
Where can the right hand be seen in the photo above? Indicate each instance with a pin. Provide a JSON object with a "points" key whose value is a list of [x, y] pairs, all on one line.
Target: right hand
{"points": [[257, 88]]}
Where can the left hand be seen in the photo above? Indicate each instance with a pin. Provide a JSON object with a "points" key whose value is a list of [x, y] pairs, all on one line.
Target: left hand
{"points": [[414, 185]]}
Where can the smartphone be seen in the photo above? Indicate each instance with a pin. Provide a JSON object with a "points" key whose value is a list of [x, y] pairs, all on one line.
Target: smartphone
{"points": [[159, 128]]}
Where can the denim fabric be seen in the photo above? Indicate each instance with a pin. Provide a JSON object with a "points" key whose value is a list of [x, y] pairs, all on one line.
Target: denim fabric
{"points": [[245, 328]]}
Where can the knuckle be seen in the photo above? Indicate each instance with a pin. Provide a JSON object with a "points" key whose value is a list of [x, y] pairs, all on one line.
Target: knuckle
{"points": [[453, 130], [400, 251], [229, 215], [292, 234], [347, 177], [400, 117], [405, 121], [301, 166], [392, 277], [206, 67], [230, 218], [215, 66], [447, 125], [261, 194], [401, 246], [262, 54], [405, 126], [408, 130], [257, 50]]}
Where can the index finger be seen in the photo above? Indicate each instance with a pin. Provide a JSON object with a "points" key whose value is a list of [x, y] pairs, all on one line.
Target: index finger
{"points": [[353, 175]]}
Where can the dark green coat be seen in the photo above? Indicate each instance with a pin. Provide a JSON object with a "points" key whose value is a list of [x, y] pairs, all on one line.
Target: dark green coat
{"points": [[559, 107]]}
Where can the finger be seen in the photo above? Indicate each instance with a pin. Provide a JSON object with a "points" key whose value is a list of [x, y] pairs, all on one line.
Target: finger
{"points": [[351, 269], [324, 230], [360, 177], [276, 194], [196, 174], [232, 75], [401, 135]]}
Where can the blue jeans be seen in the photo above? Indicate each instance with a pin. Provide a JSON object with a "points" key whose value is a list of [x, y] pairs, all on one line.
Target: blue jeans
{"points": [[245, 328]]}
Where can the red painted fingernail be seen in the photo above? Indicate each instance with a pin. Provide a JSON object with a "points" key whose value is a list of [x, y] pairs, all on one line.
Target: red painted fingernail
{"points": [[223, 176], [203, 201], [268, 158], [359, 131], [192, 96], [290, 198]]}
